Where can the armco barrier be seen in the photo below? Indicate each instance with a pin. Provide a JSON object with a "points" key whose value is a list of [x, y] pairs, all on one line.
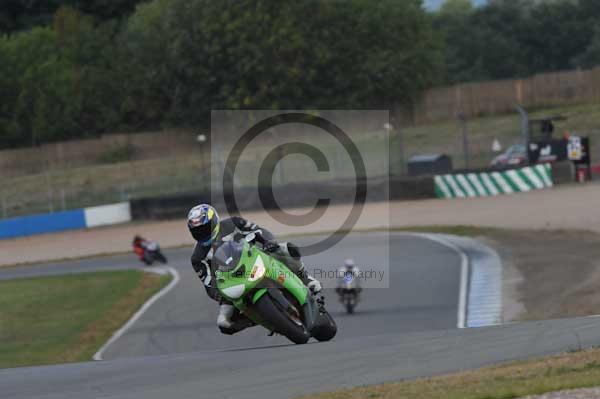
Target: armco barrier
{"points": [[481, 183], [68, 220], [107, 214], [39, 224], [485, 184]]}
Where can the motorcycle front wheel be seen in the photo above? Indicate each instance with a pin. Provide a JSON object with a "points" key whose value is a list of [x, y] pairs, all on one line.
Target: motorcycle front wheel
{"points": [[326, 328], [281, 320], [349, 307], [160, 257]]}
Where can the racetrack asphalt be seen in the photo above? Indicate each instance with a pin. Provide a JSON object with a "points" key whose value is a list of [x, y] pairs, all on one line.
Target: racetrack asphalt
{"points": [[423, 295], [405, 331], [290, 370]]}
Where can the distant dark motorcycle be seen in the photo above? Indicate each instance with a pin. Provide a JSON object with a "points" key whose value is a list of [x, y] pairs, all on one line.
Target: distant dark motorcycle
{"points": [[349, 294], [152, 253], [349, 297]]}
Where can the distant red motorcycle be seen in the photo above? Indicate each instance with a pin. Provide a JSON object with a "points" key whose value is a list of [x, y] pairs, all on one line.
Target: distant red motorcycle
{"points": [[148, 251]]}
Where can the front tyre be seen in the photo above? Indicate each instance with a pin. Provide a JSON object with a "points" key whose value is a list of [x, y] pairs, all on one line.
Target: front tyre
{"points": [[281, 321], [160, 257], [350, 302], [349, 307]]}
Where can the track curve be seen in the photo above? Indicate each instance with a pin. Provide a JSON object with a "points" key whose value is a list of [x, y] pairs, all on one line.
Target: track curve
{"points": [[424, 280], [422, 296]]}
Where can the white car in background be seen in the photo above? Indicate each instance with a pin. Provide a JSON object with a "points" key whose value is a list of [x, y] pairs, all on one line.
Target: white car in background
{"points": [[515, 155]]}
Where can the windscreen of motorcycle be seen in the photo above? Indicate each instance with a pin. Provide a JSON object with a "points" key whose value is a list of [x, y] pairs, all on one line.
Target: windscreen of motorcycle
{"points": [[228, 255]]}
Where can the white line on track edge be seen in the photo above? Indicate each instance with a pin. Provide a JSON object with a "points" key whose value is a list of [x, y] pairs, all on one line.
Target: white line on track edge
{"points": [[140, 312], [464, 277]]}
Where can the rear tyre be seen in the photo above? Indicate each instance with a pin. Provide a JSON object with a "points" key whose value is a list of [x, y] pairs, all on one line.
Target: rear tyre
{"points": [[326, 328], [279, 320]]}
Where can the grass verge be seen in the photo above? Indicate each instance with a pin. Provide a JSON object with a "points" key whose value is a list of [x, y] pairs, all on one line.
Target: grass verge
{"points": [[67, 318], [512, 380]]}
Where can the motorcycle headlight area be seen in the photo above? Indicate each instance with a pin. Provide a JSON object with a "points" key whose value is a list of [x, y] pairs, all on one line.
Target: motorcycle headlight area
{"points": [[234, 292], [258, 270]]}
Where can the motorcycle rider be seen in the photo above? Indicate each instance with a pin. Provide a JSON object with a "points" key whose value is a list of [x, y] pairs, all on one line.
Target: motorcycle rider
{"points": [[139, 247], [348, 273], [209, 231], [147, 250]]}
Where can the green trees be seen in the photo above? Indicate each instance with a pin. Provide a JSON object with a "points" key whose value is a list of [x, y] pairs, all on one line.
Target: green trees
{"points": [[517, 38], [195, 55], [484, 43], [88, 67], [18, 15], [591, 56], [35, 102], [172, 61], [57, 82], [453, 21]]}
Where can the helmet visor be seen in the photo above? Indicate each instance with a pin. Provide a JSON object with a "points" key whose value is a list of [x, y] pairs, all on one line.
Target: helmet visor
{"points": [[202, 233]]}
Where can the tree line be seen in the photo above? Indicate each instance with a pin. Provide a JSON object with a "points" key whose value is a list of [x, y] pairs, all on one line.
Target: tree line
{"points": [[72, 69], [517, 38]]}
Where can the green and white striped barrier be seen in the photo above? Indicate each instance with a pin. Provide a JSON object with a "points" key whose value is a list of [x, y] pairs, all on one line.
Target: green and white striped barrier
{"points": [[494, 183]]}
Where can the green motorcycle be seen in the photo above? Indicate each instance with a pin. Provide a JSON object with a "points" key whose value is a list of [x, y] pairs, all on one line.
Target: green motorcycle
{"points": [[267, 292]]}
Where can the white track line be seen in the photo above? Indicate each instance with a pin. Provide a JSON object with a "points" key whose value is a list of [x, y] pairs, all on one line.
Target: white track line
{"points": [[141, 311], [464, 277]]}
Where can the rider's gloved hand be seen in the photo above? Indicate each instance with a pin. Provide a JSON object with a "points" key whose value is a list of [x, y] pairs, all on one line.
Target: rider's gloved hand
{"points": [[314, 285], [203, 273], [320, 300], [271, 246]]}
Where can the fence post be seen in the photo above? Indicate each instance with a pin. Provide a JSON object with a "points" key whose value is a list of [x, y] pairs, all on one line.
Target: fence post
{"points": [[124, 193], [63, 199], [50, 193], [397, 133], [463, 121], [4, 207], [524, 125]]}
